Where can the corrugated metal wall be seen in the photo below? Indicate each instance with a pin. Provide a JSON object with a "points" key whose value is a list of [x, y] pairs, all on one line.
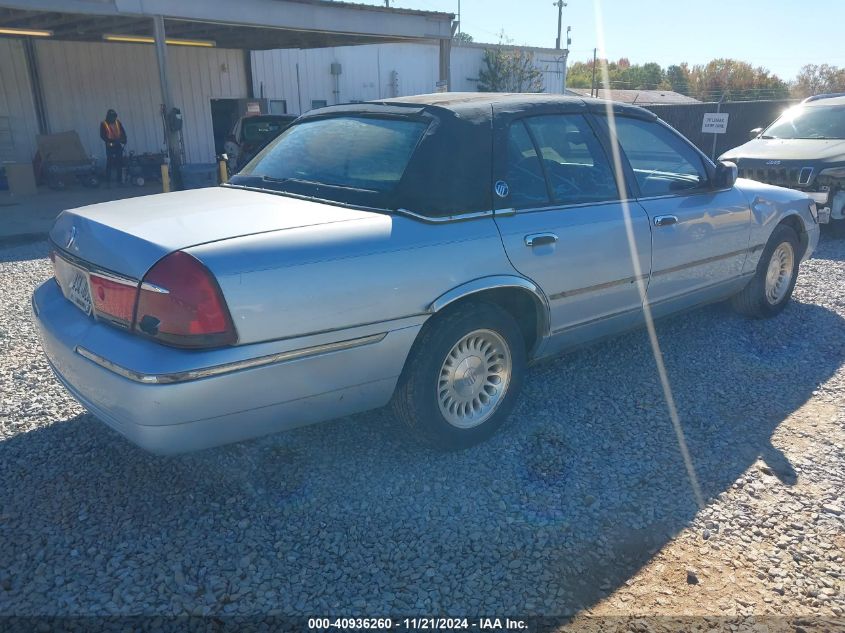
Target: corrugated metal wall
{"points": [[16, 103], [81, 80], [373, 72], [467, 61], [368, 72]]}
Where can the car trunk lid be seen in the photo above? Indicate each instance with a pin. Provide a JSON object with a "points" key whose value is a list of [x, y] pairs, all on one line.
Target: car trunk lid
{"points": [[129, 236]]}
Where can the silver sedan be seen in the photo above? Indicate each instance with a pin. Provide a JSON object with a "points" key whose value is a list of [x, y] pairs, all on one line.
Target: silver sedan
{"points": [[418, 251]]}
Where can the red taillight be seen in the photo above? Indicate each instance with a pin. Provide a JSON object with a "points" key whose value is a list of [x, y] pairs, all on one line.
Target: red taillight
{"points": [[181, 304], [114, 300]]}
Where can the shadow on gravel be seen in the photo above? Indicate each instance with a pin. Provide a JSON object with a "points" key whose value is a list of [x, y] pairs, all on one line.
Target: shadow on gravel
{"points": [[23, 248], [829, 247], [352, 517]]}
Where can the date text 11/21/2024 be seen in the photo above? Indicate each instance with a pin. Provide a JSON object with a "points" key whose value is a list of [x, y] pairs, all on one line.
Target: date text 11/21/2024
{"points": [[417, 624]]}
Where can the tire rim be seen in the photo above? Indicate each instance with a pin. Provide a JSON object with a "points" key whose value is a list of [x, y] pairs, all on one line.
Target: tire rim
{"points": [[779, 274], [474, 378]]}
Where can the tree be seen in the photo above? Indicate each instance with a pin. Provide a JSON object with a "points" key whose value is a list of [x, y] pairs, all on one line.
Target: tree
{"points": [[649, 76], [677, 76], [735, 80], [622, 75], [509, 69], [579, 75], [463, 37], [814, 79]]}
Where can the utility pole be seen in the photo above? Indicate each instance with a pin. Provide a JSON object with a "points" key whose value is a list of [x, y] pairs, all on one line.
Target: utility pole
{"points": [[559, 4], [459, 17], [565, 58], [593, 83]]}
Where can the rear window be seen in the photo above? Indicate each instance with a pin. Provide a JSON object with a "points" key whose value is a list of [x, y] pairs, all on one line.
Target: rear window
{"points": [[363, 153], [258, 131]]}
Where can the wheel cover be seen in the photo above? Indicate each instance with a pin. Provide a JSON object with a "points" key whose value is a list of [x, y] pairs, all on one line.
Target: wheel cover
{"points": [[474, 379], [779, 273]]}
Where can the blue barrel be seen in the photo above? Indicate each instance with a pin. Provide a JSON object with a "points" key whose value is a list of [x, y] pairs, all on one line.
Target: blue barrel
{"points": [[199, 175]]}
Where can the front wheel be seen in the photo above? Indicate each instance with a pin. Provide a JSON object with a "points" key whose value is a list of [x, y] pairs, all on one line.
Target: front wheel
{"points": [[770, 289], [462, 377]]}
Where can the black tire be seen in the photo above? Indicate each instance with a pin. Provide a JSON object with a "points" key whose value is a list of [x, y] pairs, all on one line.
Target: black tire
{"points": [[416, 400], [753, 301]]}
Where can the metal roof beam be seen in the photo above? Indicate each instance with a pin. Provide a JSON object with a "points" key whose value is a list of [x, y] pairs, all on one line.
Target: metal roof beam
{"points": [[299, 15]]}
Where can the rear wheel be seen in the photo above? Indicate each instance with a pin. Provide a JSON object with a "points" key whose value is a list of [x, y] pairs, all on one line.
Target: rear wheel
{"points": [[463, 376], [770, 289]]}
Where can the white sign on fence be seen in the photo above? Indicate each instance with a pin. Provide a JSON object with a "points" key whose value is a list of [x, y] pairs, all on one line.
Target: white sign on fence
{"points": [[715, 123]]}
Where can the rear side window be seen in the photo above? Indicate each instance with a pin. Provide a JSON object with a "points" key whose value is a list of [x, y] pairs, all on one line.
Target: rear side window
{"points": [[525, 177], [574, 161], [663, 163], [364, 153]]}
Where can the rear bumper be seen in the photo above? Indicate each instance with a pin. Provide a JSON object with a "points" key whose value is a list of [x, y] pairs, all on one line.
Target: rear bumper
{"points": [[199, 410]]}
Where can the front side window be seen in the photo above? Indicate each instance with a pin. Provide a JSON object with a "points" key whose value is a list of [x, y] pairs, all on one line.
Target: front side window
{"points": [[525, 178], [574, 161], [346, 152], [663, 163]]}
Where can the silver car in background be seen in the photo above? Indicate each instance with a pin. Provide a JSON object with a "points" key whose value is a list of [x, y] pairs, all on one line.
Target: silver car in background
{"points": [[420, 251]]}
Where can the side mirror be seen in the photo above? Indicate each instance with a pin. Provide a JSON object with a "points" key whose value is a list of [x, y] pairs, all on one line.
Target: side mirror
{"points": [[726, 175], [757, 131]]}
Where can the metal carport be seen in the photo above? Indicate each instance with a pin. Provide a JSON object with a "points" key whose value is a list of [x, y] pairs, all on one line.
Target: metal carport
{"points": [[244, 24]]}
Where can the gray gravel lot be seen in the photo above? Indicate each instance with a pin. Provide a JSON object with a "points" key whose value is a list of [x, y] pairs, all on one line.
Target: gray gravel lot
{"points": [[582, 504]]}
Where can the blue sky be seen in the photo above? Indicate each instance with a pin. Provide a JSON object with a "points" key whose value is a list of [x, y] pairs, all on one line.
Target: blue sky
{"points": [[781, 35]]}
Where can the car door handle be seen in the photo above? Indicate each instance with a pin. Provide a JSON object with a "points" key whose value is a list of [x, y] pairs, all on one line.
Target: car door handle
{"points": [[538, 239], [665, 220]]}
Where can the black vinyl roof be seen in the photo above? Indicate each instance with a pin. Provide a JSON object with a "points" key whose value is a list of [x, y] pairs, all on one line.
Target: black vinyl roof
{"points": [[450, 171], [481, 105]]}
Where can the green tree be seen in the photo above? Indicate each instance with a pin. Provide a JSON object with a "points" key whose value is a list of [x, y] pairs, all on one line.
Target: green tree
{"points": [[579, 74], [677, 78], [509, 69], [463, 37], [621, 73], [626, 76], [735, 80]]}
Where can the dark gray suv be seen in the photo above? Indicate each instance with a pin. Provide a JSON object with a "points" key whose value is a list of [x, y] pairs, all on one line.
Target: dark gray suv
{"points": [[803, 149]]}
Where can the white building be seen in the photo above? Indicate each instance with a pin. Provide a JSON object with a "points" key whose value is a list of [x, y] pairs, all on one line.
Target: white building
{"points": [[52, 85], [299, 80]]}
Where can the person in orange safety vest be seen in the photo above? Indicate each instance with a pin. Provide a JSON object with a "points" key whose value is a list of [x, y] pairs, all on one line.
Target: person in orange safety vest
{"points": [[114, 136]]}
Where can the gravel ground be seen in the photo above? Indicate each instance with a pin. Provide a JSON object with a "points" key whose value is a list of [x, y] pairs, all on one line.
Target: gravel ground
{"points": [[581, 506]]}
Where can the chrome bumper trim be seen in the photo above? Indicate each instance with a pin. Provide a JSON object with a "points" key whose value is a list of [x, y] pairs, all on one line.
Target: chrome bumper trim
{"points": [[216, 370]]}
